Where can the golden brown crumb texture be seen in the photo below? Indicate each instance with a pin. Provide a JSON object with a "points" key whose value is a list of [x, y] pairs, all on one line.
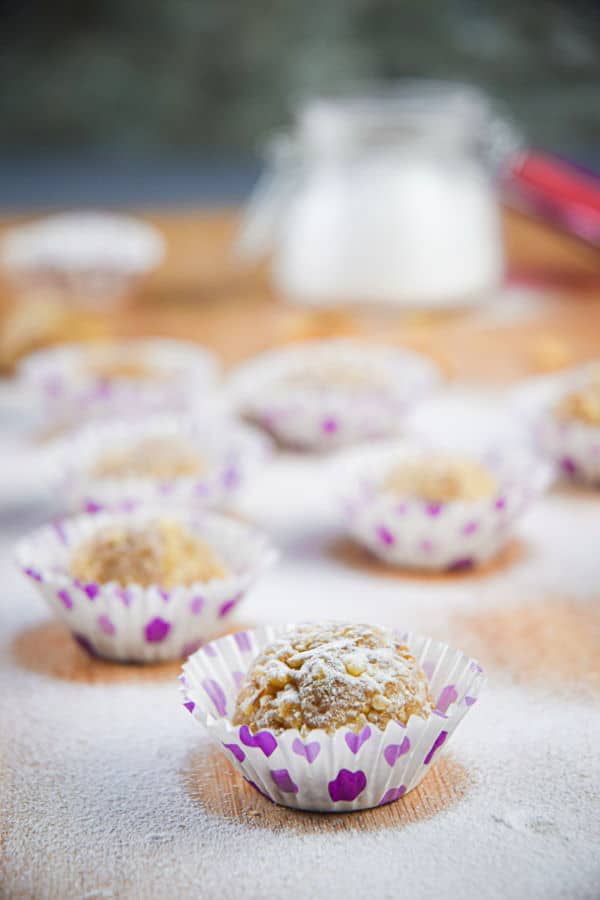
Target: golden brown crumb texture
{"points": [[163, 553], [441, 479], [332, 675]]}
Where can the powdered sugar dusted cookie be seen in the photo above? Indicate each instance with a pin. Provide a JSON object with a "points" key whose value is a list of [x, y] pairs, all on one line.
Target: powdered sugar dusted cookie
{"points": [[333, 675]]}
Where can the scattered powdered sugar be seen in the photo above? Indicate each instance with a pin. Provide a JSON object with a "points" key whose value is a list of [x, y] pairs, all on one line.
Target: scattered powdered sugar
{"points": [[94, 800], [95, 797]]}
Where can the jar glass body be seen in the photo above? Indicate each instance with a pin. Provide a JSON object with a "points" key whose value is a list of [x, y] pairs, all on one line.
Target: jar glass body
{"points": [[389, 200]]}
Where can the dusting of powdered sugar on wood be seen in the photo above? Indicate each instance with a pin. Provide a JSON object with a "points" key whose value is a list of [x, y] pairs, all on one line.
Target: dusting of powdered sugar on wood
{"points": [[94, 801]]}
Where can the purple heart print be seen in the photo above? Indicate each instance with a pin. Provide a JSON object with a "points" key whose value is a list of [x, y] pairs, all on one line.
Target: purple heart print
{"points": [[264, 740], [309, 751], [355, 741], [436, 744], [347, 785], [284, 782], [216, 694], [393, 752], [447, 697], [156, 630], [237, 751], [392, 794]]}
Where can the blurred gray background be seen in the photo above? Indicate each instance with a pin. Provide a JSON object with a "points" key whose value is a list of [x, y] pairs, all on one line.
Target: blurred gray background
{"points": [[168, 100]]}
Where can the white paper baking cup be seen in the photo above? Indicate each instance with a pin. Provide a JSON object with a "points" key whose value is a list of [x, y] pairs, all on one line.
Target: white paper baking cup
{"points": [[143, 624], [318, 418], [90, 257], [336, 772], [232, 453], [414, 534], [571, 445], [67, 393]]}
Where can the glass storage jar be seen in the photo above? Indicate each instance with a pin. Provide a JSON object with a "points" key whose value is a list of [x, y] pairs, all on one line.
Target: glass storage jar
{"points": [[387, 197]]}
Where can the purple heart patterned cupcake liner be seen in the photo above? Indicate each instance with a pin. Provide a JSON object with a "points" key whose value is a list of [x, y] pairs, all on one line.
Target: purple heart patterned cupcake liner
{"points": [[68, 393], [135, 623], [322, 418], [338, 772], [573, 446], [411, 533], [232, 454], [88, 258]]}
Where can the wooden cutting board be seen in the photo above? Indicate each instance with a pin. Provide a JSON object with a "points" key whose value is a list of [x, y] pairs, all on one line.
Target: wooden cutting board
{"points": [[201, 293]]}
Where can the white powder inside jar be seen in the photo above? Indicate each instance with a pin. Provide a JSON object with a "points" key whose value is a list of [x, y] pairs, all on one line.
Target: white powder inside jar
{"points": [[396, 229]]}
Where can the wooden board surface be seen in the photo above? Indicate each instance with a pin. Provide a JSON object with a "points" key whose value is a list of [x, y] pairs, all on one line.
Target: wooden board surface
{"points": [[201, 293], [212, 782]]}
